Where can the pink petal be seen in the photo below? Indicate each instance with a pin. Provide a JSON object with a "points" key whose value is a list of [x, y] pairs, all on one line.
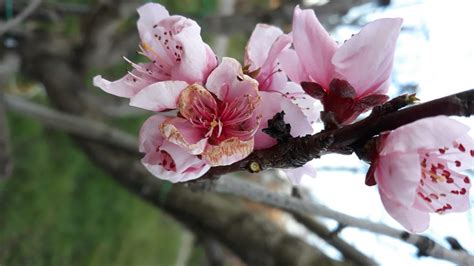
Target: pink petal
{"points": [[460, 151], [197, 95], [424, 133], [174, 43], [127, 86], [182, 133], [366, 60], [198, 59], [398, 176], [150, 15], [443, 188], [292, 66], [159, 96], [412, 219], [295, 175], [259, 44], [314, 46], [455, 195], [273, 103], [311, 108], [271, 77], [227, 152], [150, 136], [228, 82], [191, 166]]}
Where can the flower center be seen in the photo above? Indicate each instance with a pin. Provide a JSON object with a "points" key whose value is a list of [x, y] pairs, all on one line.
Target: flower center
{"points": [[167, 161], [440, 183]]}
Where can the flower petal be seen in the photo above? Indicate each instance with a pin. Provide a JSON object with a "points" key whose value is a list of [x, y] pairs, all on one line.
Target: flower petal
{"points": [[228, 82], [292, 66], [271, 77], [182, 133], [366, 60], [295, 175], [259, 44], [150, 135], [424, 133], [191, 166], [198, 60], [398, 176], [311, 108], [159, 96], [174, 43], [150, 15], [129, 85], [462, 151], [314, 46], [412, 219], [196, 95], [228, 151], [273, 103]]}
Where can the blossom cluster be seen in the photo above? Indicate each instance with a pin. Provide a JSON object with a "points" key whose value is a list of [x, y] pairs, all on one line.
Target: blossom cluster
{"points": [[211, 111]]}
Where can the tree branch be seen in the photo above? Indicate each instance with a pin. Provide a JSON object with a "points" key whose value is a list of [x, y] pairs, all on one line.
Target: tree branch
{"points": [[73, 124], [348, 251], [298, 151], [425, 245], [149, 188]]}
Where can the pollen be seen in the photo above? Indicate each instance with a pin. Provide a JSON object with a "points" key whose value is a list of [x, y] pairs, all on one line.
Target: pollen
{"points": [[214, 123]]}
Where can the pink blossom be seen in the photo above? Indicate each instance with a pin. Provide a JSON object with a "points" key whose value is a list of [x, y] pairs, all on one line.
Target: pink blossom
{"points": [[217, 122], [261, 60], [164, 159], [418, 170], [175, 48], [264, 47], [348, 79], [261, 57]]}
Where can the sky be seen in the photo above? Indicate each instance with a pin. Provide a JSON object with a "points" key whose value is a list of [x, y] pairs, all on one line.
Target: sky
{"points": [[435, 50]]}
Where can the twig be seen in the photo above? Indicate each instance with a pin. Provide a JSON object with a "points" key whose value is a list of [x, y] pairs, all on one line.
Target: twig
{"points": [[348, 251], [20, 17], [454, 243], [73, 124], [254, 192], [298, 151]]}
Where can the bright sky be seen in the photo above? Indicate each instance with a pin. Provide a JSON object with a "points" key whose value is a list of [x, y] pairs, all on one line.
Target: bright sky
{"points": [[435, 51]]}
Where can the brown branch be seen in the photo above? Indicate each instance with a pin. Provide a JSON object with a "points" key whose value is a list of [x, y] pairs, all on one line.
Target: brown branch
{"points": [[298, 151], [133, 177]]}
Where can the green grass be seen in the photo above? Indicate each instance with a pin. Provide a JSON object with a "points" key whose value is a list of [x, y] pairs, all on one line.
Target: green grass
{"points": [[58, 209]]}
